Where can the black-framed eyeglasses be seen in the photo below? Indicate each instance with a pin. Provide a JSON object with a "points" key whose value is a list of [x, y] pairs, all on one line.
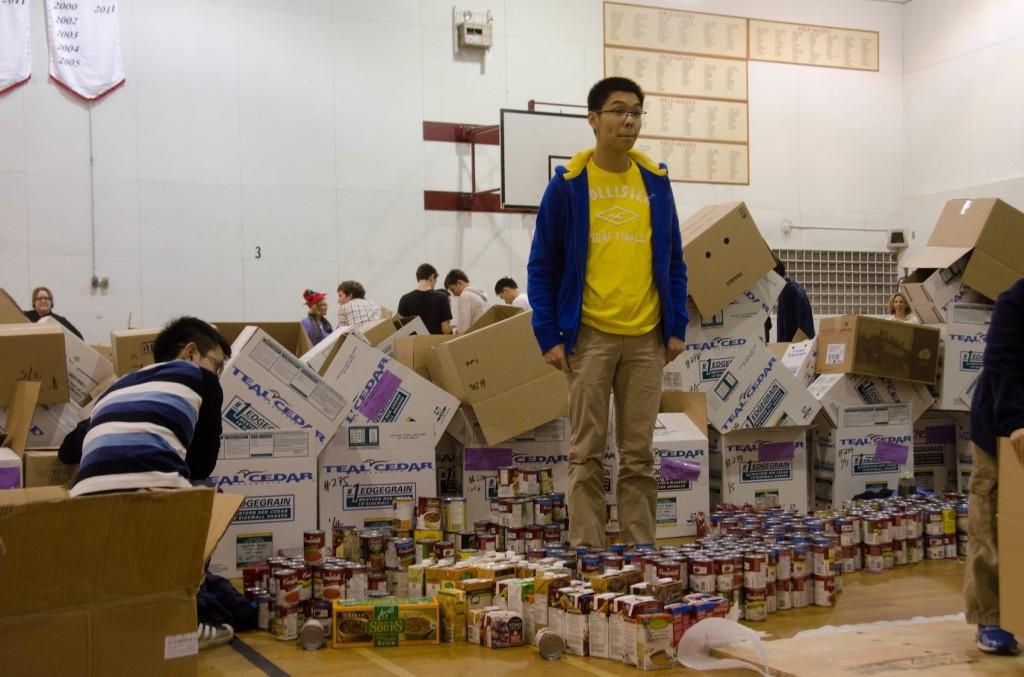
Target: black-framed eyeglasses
{"points": [[622, 113]]}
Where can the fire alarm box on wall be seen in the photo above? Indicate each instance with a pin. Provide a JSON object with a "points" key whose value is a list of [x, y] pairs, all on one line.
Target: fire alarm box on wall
{"points": [[474, 30]]}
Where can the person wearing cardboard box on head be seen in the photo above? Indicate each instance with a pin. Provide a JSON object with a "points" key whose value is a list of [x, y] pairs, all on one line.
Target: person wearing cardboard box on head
{"points": [[469, 302], [353, 308], [42, 306], [997, 410], [508, 291], [159, 428], [899, 310], [608, 289], [430, 305], [315, 324]]}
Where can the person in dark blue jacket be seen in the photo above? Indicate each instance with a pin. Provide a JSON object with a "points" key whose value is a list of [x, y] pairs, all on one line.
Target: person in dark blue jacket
{"points": [[608, 288], [793, 310], [997, 410]]}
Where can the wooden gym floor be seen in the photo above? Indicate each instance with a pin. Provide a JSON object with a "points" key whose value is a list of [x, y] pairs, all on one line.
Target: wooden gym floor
{"points": [[927, 589]]}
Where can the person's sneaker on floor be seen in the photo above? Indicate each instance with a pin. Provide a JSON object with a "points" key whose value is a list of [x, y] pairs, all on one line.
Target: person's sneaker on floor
{"points": [[214, 635], [993, 639]]}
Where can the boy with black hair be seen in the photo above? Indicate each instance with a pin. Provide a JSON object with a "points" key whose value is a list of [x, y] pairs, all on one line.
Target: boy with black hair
{"points": [[428, 304], [469, 302], [508, 291], [608, 288], [792, 310]]}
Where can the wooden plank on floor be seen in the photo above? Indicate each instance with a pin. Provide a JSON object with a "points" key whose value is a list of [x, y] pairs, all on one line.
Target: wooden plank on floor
{"points": [[940, 649]]}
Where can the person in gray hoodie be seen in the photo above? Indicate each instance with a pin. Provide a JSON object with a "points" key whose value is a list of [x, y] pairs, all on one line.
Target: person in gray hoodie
{"points": [[468, 302]]}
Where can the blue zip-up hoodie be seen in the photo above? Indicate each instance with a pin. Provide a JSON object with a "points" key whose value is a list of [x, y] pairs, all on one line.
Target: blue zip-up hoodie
{"points": [[558, 258], [997, 406]]}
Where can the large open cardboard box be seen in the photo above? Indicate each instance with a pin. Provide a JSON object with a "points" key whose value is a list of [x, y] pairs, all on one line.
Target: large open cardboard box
{"points": [[105, 585], [289, 334], [10, 311], [858, 344], [1011, 546], [412, 350], [133, 349], [992, 229], [34, 352], [725, 255]]}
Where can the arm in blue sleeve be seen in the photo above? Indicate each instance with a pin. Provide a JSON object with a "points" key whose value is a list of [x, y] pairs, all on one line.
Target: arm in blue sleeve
{"points": [[677, 274], [547, 262], [1004, 360]]}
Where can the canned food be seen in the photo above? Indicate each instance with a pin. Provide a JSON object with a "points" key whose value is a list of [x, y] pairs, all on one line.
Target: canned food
{"points": [[545, 479], [549, 644], [333, 582], [443, 550], [754, 574], [552, 535], [613, 562], [755, 606], [424, 549], [770, 598], [824, 590], [784, 569], [669, 568], [357, 583], [321, 609], [935, 547], [535, 538], [286, 623], [515, 540], [948, 520], [874, 561], [314, 546], [373, 544], [377, 582], [312, 634], [398, 583], [264, 604], [800, 568], [558, 511], [289, 592], [255, 576], [702, 574], [613, 536], [784, 594], [487, 542], [590, 566], [950, 541], [345, 542], [508, 482], [802, 591], [542, 508], [899, 552], [454, 514], [304, 574], [428, 513], [529, 481], [404, 509]]}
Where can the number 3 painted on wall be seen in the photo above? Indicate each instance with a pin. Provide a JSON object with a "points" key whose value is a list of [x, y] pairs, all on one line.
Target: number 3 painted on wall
{"points": [[259, 252]]}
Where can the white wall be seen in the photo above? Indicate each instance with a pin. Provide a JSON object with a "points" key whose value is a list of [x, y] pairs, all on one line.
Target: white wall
{"points": [[296, 127], [963, 94]]}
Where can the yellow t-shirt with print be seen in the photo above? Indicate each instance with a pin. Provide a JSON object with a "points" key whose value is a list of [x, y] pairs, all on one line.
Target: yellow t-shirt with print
{"points": [[619, 294]]}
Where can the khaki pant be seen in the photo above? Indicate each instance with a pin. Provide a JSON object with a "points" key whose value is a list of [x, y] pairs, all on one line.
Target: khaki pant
{"points": [[631, 367], [981, 580]]}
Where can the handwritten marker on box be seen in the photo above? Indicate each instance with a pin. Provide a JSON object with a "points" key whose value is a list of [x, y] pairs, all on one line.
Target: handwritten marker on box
{"points": [[891, 452], [675, 469], [776, 451]]}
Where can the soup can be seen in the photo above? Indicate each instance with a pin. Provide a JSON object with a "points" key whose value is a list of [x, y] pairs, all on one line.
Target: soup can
{"points": [[454, 511]]}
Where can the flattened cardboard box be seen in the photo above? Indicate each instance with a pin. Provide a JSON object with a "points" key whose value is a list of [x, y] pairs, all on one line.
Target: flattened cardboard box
{"points": [[268, 388], [34, 352], [724, 253], [133, 349], [291, 335], [87, 369], [1011, 546], [991, 229], [366, 467], [857, 344], [275, 473], [122, 602]]}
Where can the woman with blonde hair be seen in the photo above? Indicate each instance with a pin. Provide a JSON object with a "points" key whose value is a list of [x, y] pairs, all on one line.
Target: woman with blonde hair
{"points": [[899, 309], [315, 323]]}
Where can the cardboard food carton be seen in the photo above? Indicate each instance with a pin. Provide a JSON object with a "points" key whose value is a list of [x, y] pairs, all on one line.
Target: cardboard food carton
{"points": [[858, 344], [132, 349], [122, 602], [291, 335], [87, 369], [499, 370], [10, 311], [762, 468], [757, 391], [799, 357], [366, 467], [383, 390], [836, 391], [386, 622], [711, 345], [848, 455], [34, 352], [724, 253], [963, 350], [268, 388], [990, 230], [1011, 546], [42, 468], [275, 473]]}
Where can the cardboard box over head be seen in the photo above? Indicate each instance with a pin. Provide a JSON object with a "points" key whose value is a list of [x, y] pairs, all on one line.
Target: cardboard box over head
{"points": [[121, 602], [988, 228], [725, 255], [366, 467], [836, 391], [268, 388], [133, 349], [757, 391], [34, 352], [932, 293], [498, 370], [382, 390], [275, 473], [858, 344], [291, 335]]}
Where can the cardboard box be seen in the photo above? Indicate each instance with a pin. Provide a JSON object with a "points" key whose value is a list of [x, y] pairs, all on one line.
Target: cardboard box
{"points": [[291, 335], [499, 370], [765, 292], [10, 311], [495, 313], [132, 348], [386, 622], [711, 345], [858, 344], [87, 369], [1011, 547], [963, 350], [105, 351], [382, 390], [762, 468], [972, 313], [122, 603], [800, 358], [22, 397], [42, 468], [724, 253], [51, 423], [935, 451], [268, 388], [449, 459], [383, 333], [988, 228], [847, 462], [275, 472], [365, 467], [34, 352], [836, 391], [676, 436], [756, 391], [320, 355], [932, 294], [412, 351]]}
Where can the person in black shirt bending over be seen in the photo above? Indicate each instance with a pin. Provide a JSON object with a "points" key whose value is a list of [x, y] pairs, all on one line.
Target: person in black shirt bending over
{"points": [[430, 305], [42, 305]]}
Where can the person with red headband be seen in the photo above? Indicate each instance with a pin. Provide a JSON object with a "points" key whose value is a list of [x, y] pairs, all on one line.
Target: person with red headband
{"points": [[315, 323]]}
